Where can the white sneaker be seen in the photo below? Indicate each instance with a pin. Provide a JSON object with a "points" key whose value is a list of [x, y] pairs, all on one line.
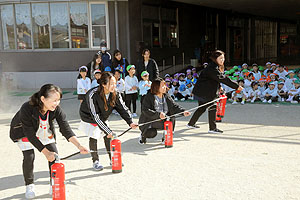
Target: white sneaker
{"points": [[270, 101], [176, 99], [191, 98], [134, 115], [243, 102], [30, 194], [183, 99], [294, 102], [97, 166], [282, 99], [234, 103], [290, 98], [265, 101]]}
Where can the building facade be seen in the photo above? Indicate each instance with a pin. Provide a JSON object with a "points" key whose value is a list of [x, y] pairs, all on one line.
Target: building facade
{"points": [[45, 39]]}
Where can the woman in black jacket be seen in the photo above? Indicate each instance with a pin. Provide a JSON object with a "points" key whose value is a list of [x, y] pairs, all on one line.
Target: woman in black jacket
{"points": [[147, 64], [94, 112], [119, 63], [207, 87], [157, 105], [96, 63], [32, 126]]}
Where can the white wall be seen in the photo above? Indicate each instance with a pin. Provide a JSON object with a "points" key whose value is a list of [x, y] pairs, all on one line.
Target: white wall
{"points": [[33, 80]]}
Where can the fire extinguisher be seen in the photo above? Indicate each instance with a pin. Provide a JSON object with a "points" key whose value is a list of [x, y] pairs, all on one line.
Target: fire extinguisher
{"points": [[168, 132], [58, 180], [222, 104], [116, 160]]}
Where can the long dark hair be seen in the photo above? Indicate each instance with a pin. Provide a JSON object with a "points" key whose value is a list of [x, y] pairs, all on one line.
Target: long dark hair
{"points": [[105, 79], [97, 55], [215, 54], [45, 91], [81, 70]]}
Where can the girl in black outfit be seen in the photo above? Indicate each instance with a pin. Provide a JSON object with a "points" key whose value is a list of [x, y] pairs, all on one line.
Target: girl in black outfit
{"points": [[96, 63], [157, 105], [206, 88], [94, 112], [119, 63], [32, 126], [147, 64]]}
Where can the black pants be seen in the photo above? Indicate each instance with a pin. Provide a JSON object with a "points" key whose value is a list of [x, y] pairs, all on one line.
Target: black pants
{"points": [[142, 99], [93, 147], [211, 114], [131, 98], [28, 159], [274, 99], [151, 132]]}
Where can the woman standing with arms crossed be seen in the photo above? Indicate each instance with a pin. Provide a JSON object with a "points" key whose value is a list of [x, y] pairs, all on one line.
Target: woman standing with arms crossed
{"points": [[147, 64], [207, 88], [32, 126]]}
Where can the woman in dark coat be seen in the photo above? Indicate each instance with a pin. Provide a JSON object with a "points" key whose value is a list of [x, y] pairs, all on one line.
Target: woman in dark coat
{"points": [[32, 127], [207, 87], [157, 105], [119, 63], [147, 64], [96, 63]]}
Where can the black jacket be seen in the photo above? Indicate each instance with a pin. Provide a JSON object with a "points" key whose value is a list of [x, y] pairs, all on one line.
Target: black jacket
{"points": [[209, 81], [92, 110], [152, 69], [148, 112], [26, 123], [116, 63]]}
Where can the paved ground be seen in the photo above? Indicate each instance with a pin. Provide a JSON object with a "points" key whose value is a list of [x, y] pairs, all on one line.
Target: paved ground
{"points": [[257, 157]]}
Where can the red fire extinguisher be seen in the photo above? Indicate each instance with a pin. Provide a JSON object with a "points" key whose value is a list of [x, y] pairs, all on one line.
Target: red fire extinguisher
{"points": [[58, 180], [116, 159], [168, 131], [222, 104]]}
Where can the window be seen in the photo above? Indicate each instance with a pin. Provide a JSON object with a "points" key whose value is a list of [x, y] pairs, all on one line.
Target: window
{"points": [[79, 25], [8, 27], [40, 21], [23, 26], [98, 21], [59, 25]]}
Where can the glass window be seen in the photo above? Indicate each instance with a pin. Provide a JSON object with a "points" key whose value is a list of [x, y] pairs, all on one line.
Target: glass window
{"points": [[40, 21], [79, 25], [8, 33], [98, 19], [59, 25], [23, 26]]}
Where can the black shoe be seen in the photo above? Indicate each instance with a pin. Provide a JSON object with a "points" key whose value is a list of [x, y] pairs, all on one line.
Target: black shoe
{"points": [[216, 131], [192, 126], [142, 140]]}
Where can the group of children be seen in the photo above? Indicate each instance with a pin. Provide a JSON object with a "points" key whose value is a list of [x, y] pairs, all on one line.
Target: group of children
{"points": [[267, 84]]}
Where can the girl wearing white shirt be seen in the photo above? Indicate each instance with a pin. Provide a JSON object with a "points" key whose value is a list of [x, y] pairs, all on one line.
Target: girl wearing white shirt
{"points": [[256, 73], [131, 89], [83, 83]]}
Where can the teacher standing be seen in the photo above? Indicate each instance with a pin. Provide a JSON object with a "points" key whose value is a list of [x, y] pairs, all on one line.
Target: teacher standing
{"points": [[207, 88], [147, 64]]}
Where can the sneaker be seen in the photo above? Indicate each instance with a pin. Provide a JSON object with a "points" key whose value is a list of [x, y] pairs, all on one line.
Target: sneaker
{"points": [[294, 102], [270, 101], [142, 140], [252, 101], [265, 101], [183, 99], [216, 131], [282, 99], [192, 126], [134, 115], [243, 102], [191, 98], [234, 103], [176, 99], [97, 166], [30, 194]]}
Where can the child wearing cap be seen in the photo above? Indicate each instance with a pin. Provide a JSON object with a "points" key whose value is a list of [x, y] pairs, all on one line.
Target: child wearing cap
{"points": [[131, 89], [120, 83], [274, 79], [289, 81], [270, 94], [183, 93], [83, 83], [294, 93], [262, 87], [254, 93], [239, 96], [168, 81], [282, 91], [97, 75], [268, 66], [174, 88], [248, 81], [280, 71], [144, 85], [182, 79]]}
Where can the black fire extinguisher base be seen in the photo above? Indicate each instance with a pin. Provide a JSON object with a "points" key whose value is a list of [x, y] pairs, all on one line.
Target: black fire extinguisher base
{"points": [[116, 171], [169, 146], [218, 120]]}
